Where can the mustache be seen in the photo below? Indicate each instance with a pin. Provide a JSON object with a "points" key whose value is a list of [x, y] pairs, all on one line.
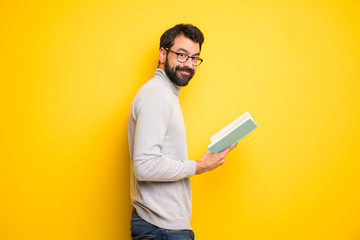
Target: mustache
{"points": [[185, 69]]}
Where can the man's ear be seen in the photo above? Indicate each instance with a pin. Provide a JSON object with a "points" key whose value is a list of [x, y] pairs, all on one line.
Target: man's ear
{"points": [[162, 55]]}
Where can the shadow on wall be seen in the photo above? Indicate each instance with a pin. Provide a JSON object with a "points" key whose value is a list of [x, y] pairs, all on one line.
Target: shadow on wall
{"points": [[122, 180], [147, 66], [114, 158]]}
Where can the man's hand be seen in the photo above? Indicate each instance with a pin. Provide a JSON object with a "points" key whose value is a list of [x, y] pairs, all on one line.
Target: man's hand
{"points": [[210, 160]]}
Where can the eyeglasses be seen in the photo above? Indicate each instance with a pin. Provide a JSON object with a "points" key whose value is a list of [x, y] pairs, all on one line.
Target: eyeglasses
{"points": [[182, 58]]}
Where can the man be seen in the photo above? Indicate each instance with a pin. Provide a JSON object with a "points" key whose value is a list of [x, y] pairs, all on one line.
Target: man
{"points": [[160, 169]]}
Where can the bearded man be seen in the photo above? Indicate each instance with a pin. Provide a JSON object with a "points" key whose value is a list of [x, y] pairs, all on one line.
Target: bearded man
{"points": [[160, 169]]}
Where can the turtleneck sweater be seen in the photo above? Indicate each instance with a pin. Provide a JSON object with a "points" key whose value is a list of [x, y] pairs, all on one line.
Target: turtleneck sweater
{"points": [[159, 178]]}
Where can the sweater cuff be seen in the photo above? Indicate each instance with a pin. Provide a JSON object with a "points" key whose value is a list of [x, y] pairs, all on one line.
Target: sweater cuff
{"points": [[190, 168]]}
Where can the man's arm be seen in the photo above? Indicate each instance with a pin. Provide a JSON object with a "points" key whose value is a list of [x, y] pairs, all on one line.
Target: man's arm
{"points": [[153, 113], [149, 163]]}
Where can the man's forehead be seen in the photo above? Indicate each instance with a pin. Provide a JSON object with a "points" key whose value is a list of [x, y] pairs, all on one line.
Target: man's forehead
{"points": [[182, 43]]}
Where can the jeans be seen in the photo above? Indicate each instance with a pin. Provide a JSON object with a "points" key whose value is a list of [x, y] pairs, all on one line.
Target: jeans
{"points": [[140, 229]]}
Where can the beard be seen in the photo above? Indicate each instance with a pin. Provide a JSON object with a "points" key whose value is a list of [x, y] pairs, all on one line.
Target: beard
{"points": [[176, 76]]}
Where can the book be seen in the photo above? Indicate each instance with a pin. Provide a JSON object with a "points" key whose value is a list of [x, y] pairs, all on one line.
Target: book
{"points": [[232, 133]]}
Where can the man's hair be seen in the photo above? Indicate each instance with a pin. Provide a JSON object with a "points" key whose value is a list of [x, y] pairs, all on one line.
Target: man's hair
{"points": [[188, 30]]}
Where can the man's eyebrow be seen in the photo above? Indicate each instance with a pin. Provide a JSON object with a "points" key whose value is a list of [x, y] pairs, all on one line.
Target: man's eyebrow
{"points": [[187, 52]]}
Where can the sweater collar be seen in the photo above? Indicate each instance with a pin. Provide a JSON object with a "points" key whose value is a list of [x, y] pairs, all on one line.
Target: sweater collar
{"points": [[174, 88]]}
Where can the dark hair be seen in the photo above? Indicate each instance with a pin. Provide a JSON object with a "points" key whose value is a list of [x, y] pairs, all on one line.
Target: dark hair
{"points": [[188, 30]]}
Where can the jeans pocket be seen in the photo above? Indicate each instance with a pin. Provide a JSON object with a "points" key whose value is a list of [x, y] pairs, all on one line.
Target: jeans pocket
{"points": [[144, 237], [179, 235]]}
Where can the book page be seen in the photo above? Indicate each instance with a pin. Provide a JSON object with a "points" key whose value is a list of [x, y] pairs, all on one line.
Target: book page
{"points": [[229, 127]]}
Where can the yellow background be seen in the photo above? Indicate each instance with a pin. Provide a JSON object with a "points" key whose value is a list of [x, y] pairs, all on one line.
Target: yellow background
{"points": [[69, 70]]}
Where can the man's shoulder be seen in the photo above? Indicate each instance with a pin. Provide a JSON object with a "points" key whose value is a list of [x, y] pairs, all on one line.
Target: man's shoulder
{"points": [[153, 90], [152, 97]]}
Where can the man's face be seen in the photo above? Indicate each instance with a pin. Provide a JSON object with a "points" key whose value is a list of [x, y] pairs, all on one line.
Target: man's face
{"points": [[181, 73]]}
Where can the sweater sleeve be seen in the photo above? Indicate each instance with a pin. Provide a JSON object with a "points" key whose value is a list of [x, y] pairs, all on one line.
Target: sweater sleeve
{"points": [[153, 113]]}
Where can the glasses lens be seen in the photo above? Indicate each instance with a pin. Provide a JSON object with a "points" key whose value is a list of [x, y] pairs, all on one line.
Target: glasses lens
{"points": [[182, 57], [198, 61]]}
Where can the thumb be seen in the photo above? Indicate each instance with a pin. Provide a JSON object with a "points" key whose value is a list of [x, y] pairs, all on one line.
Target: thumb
{"points": [[227, 150]]}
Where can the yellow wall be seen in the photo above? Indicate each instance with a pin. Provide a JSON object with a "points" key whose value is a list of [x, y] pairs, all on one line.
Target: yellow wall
{"points": [[69, 70]]}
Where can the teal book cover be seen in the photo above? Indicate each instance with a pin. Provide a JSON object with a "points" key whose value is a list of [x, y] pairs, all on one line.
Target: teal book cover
{"points": [[232, 133]]}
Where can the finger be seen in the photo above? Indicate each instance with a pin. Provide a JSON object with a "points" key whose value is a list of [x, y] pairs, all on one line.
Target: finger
{"points": [[233, 146], [227, 150]]}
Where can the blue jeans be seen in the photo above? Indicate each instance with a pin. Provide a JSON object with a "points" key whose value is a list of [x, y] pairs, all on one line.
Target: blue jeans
{"points": [[140, 229]]}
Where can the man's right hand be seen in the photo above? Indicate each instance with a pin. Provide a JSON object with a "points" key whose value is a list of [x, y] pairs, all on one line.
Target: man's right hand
{"points": [[210, 160]]}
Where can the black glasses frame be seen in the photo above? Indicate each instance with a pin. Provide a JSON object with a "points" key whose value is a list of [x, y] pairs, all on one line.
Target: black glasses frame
{"points": [[196, 59]]}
